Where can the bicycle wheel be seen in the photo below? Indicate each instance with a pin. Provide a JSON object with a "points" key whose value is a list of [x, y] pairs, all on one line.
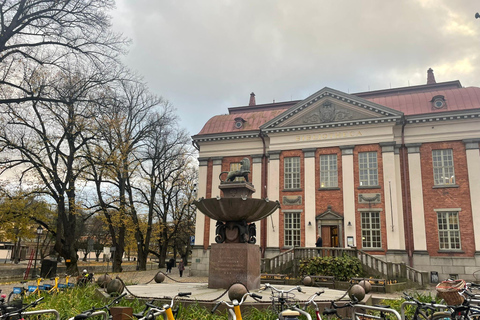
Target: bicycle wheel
{"points": [[420, 315], [441, 315]]}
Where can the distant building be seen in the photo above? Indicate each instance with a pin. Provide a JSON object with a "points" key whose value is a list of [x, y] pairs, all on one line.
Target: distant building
{"points": [[393, 172]]}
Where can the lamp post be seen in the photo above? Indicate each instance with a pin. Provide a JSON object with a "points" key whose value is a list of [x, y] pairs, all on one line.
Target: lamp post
{"points": [[39, 233]]}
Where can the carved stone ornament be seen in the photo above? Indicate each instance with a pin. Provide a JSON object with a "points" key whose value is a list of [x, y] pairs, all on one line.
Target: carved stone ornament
{"points": [[292, 200], [369, 198], [327, 112]]}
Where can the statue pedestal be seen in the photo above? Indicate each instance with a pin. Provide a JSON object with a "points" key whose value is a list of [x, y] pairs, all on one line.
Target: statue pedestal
{"points": [[234, 262]]}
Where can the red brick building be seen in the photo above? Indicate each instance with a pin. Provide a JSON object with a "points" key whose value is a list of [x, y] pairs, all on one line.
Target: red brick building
{"points": [[394, 172]]}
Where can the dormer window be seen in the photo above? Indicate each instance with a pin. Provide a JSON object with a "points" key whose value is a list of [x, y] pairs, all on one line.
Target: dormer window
{"points": [[239, 122], [438, 102]]}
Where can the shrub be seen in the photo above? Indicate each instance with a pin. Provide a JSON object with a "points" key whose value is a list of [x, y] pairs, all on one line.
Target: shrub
{"points": [[343, 268]]}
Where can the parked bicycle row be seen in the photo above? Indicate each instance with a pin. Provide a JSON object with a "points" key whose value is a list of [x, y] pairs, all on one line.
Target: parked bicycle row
{"points": [[288, 303]]}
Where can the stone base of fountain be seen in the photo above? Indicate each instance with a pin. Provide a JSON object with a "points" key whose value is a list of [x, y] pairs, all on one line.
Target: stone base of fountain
{"points": [[234, 262]]}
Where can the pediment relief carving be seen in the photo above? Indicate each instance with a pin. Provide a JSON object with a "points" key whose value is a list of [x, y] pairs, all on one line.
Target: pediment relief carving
{"points": [[327, 111]]}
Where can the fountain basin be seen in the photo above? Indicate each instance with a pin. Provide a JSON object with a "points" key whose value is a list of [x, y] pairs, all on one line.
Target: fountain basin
{"points": [[236, 209]]}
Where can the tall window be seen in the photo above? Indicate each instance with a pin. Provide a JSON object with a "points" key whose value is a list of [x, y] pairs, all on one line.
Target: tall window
{"points": [[448, 230], [328, 171], [292, 229], [292, 172], [368, 168], [371, 231], [235, 166], [443, 173]]}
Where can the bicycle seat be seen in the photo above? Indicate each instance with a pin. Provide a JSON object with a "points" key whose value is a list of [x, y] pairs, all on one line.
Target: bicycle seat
{"points": [[382, 306], [290, 313], [138, 315]]}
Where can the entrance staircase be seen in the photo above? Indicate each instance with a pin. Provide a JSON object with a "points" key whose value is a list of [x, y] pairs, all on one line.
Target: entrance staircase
{"points": [[287, 262]]}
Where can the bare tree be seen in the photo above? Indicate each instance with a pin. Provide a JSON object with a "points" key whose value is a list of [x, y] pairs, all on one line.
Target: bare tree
{"points": [[164, 158], [123, 126], [44, 141], [41, 33]]}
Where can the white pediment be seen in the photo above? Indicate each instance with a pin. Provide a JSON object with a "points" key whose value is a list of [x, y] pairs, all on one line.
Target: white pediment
{"points": [[330, 108]]}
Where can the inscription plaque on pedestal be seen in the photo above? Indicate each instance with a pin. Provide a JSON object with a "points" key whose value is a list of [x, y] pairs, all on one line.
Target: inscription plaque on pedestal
{"points": [[234, 262]]}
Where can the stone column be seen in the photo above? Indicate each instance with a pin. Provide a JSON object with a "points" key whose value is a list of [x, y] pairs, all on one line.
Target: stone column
{"points": [[473, 167], [393, 214], [273, 193], [416, 197], [257, 183], [201, 193], [309, 200], [216, 170], [348, 187]]}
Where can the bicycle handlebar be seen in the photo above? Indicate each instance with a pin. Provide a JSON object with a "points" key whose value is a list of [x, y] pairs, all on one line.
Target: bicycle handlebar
{"points": [[253, 295], [269, 286], [312, 299]]}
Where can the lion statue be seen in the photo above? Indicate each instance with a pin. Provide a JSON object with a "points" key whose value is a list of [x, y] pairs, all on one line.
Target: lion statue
{"points": [[243, 172]]}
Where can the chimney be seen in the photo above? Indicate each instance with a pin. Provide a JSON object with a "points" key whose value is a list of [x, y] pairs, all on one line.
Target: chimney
{"points": [[252, 99], [430, 77]]}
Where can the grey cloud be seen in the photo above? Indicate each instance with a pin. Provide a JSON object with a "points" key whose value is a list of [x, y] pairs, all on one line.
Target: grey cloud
{"points": [[205, 56]]}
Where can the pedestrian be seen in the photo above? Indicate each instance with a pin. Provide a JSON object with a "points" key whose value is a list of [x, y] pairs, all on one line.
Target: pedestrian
{"points": [[181, 267], [169, 267], [319, 243], [172, 264]]}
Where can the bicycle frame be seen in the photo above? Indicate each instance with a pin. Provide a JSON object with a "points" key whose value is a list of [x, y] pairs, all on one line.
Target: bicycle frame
{"points": [[55, 288], [236, 313]]}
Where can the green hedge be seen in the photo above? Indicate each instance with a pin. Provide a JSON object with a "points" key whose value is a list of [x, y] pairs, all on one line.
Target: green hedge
{"points": [[342, 268]]}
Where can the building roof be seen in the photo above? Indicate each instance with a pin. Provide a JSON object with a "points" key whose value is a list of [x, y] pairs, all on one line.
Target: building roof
{"points": [[414, 100]]}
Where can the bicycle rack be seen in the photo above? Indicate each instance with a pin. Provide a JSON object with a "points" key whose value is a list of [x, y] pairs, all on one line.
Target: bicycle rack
{"points": [[32, 313], [365, 307]]}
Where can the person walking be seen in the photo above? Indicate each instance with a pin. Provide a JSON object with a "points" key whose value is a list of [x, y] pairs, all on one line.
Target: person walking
{"points": [[319, 243], [181, 267]]}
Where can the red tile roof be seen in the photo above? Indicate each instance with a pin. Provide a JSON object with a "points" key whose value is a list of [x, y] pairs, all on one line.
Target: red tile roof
{"points": [[409, 100], [420, 102]]}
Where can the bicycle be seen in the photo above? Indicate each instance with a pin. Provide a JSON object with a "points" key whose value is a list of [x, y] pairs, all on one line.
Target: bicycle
{"points": [[234, 308], [281, 302], [94, 311], [55, 288], [36, 289], [423, 311], [152, 311], [20, 313], [311, 300], [16, 297], [66, 285]]}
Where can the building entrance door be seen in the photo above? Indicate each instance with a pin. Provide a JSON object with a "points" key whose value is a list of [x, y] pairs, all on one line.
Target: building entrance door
{"points": [[334, 236]]}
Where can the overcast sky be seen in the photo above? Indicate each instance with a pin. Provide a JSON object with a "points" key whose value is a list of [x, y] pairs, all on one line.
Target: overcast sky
{"points": [[206, 56]]}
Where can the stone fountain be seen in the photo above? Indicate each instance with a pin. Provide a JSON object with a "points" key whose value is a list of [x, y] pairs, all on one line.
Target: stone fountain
{"points": [[235, 257]]}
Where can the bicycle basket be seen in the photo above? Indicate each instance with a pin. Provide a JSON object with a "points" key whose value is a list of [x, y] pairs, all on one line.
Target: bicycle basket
{"points": [[449, 291]]}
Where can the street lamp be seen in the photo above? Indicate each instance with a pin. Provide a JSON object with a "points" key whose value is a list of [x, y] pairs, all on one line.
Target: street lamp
{"points": [[39, 233]]}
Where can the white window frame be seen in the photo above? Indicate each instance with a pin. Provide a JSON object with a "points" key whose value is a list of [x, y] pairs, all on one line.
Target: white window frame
{"points": [[291, 229], [443, 167], [368, 168], [291, 166], [448, 224], [371, 229], [328, 171]]}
